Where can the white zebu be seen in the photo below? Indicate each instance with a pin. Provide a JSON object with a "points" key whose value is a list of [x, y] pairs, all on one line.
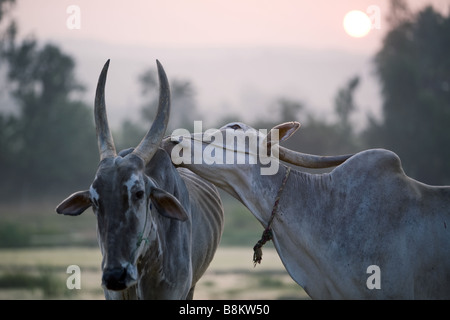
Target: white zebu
{"points": [[330, 229]]}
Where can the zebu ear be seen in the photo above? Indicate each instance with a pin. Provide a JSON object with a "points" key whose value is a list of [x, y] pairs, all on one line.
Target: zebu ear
{"points": [[75, 204], [285, 131], [281, 132], [167, 205]]}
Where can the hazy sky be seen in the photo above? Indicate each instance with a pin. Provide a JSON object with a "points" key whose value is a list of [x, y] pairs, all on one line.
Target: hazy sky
{"points": [[315, 24], [180, 23], [129, 31]]}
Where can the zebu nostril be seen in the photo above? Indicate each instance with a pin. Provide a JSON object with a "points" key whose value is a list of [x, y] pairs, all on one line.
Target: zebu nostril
{"points": [[115, 279]]}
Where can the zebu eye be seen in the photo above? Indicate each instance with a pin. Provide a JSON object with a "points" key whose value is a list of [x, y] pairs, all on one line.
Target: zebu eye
{"points": [[235, 127], [139, 194]]}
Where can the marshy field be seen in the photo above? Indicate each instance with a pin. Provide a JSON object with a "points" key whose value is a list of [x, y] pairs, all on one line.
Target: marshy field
{"points": [[42, 274]]}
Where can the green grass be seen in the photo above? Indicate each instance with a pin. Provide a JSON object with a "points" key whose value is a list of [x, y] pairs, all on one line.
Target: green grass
{"points": [[241, 227], [42, 278], [41, 273], [14, 234], [38, 225]]}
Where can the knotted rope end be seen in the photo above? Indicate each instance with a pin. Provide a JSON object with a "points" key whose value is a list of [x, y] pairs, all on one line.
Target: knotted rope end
{"points": [[257, 249]]}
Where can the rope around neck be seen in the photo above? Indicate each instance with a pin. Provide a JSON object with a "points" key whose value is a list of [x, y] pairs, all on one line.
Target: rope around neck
{"points": [[267, 234], [140, 236]]}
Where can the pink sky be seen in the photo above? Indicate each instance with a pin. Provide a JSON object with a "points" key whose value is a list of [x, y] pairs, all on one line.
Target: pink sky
{"points": [[179, 23]]}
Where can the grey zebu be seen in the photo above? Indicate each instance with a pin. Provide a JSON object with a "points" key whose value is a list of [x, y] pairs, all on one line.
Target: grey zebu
{"points": [[333, 231], [158, 227]]}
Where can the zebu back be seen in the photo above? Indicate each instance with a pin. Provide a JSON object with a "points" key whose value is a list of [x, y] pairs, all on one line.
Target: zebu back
{"points": [[410, 220]]}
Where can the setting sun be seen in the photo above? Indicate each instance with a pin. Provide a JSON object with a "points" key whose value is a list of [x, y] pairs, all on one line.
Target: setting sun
{"points": [[357, 24]]}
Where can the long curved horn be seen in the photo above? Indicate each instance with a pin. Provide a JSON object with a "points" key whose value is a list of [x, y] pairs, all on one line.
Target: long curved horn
{"points": [[149, 145], [310, 161], [104, 137]]}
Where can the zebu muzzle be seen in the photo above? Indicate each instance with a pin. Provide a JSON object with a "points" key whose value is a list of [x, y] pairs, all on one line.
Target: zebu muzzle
{"points": [[119, 278]]}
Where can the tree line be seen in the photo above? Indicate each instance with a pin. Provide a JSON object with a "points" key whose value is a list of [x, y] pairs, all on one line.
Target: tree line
{"points": [[49, 145]]}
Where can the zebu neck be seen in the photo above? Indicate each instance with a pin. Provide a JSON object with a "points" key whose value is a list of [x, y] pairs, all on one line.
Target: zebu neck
{"points": [[150, 267], [294, 226], [301, 233], [156, 278], [258, 192]]}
